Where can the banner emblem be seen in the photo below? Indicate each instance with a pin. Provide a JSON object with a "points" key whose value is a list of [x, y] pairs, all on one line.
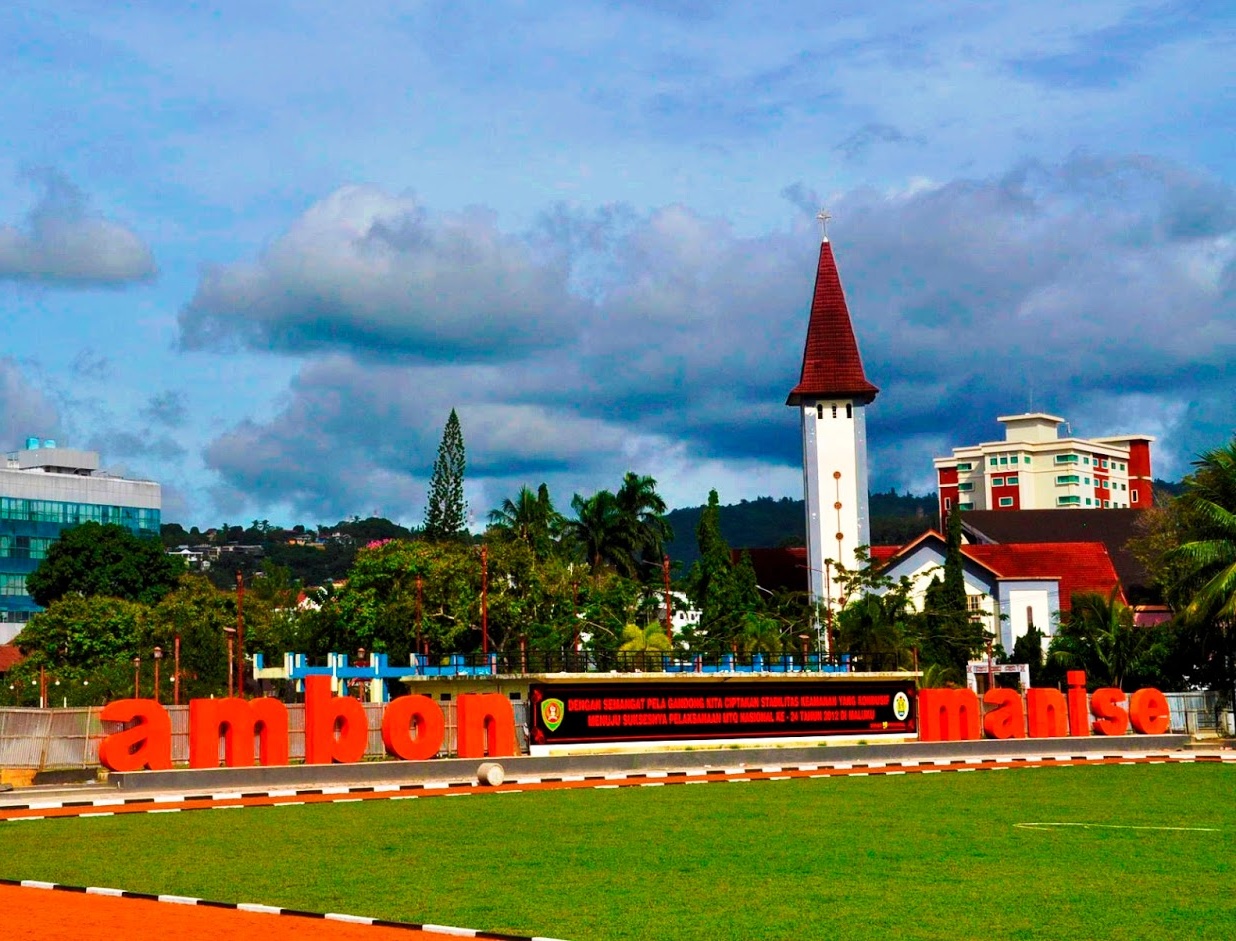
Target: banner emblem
{"points": [[552, 713]]}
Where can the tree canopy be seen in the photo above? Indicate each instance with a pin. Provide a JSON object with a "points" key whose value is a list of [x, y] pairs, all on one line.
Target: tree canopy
{"points": [[96, 559]]}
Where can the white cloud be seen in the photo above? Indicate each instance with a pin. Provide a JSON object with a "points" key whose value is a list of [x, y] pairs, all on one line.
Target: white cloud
{"points": [[61, 243]]}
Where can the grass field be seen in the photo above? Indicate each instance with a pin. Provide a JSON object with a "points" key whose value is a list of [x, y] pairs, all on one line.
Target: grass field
{"points": [[914, 856]]}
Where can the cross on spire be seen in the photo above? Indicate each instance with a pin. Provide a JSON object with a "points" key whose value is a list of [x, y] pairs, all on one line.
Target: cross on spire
{"points": [[823, 216]]}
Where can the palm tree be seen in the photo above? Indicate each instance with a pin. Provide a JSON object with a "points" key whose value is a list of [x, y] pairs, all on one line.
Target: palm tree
{"points": [[597, 530], [1205, 581], [530, 518], [642, 512], [1100, 638]]}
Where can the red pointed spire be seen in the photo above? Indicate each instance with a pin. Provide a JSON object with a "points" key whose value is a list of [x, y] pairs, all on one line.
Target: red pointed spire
{"points": [[832, 365]]}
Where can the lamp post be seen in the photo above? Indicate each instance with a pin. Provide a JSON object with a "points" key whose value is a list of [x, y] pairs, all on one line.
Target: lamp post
{"points": [[137, 677], [158, 657], [231, 676], [669, 611], [824, 637], [176, 670], [575, 614], [420, 614], [485, 600], [240, 634]]}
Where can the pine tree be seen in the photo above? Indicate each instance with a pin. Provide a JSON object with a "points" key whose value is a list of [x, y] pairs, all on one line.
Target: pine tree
{"points": [[446, 512]]}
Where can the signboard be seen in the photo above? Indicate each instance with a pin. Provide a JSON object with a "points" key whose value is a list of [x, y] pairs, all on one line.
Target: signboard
{"points": [[660, 711]]}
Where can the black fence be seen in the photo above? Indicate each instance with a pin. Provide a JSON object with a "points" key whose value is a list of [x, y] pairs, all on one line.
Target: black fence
{"points": [[644, 661]]}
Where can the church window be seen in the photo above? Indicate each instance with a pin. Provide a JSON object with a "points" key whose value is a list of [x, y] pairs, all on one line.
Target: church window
{"points": [[849, 410], [819, 409], [834, 410]]}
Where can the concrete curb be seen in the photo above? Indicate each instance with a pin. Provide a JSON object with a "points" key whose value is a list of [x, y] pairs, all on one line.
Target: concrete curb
{"points": [[273, 910], [393, 772]]}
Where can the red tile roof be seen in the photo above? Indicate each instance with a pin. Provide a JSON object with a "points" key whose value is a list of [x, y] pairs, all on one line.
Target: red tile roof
{"points": [[10, 656], [1080, 566], [831, 361]]}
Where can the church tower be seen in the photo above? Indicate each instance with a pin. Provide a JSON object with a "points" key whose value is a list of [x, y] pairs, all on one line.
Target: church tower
{"points": [[832, 395]]}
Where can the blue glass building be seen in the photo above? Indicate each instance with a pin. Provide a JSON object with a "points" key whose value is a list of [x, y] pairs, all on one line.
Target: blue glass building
{"points": [[45, 490]]}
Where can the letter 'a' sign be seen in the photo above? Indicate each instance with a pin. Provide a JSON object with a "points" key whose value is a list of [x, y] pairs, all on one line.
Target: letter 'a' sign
{"points": [[336, 730]]}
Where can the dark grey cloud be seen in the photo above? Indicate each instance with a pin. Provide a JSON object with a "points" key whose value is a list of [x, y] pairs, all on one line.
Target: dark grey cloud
{"points": [[1081, 288], [366, 269], [93, 366], [167, 408], [25, 408], [63, 243], [858, 144], [1106, 57], [144, 445]]}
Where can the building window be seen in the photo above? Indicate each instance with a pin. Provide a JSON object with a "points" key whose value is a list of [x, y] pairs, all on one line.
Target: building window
{"points": [[966, 486], [948, 503], [1013, 459], [1104, 484], [1065, 479], [1085, 460], [965, 467], [1004, 459], [834, 410], [997, 481], [1134, 496], [849, 410], [819, 409], [12, 585], [1029, 618], [1087, 501], [974, 603], [1103, 463], [1068, 501], [1066, 458], [1011, 481], [1006, 501], [1107, 504], [965, 506], [992, 462], [1025, 459], [1124, 486]]}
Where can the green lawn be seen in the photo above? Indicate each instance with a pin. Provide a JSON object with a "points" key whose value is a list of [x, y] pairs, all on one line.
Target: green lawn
{"points": [[913, 856]]}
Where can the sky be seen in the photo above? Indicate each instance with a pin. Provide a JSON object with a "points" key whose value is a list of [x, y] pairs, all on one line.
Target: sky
{"points": [[258, 252]]}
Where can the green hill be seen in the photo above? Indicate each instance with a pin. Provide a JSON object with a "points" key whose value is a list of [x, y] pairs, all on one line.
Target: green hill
{"points": [[895, 519]]}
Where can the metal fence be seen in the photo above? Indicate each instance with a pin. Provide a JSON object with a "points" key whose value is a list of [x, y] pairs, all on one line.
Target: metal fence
{"points": [[1194, 712], [43, 739]]}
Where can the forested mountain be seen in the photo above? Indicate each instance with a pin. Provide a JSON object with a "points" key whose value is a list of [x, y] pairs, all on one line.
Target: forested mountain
{"points": [[895, 519]]}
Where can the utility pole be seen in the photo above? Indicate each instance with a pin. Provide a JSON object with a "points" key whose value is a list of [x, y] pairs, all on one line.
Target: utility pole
{"points": [[485, 600], [240, 634], [669, 611]]}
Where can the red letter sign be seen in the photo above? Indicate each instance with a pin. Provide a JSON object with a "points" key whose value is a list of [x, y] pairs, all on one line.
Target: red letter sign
{"points": [[1008, 719], [1149, 713], [1109, 717], [397, 723], [1049, 716], [237, 721], [147, 745], [484, 719], [948, 715], [336, 727]]}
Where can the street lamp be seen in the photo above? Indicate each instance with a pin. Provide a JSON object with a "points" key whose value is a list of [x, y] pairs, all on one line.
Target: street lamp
{"points": [[137, 677], [669, 609], [231, 654], [827, 572], [158, 657], [240, 633]]}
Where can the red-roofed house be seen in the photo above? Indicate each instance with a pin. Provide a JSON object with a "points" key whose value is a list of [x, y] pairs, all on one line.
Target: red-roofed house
{"points": [[1026, 584]]}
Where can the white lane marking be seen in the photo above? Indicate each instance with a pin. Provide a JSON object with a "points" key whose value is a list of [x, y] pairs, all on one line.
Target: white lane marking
{"points": [[1112, 826]]}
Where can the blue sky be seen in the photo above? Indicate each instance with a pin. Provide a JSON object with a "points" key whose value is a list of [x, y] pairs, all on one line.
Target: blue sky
{"points": [[259, 251]]}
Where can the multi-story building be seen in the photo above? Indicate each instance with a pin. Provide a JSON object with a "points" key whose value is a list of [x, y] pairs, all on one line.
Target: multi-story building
{"points": [[45, 490], [1033, 468]]}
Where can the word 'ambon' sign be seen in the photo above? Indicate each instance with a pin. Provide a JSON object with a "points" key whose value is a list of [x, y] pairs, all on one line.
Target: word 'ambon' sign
{"points": [[336, 730], [650, 711]]}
